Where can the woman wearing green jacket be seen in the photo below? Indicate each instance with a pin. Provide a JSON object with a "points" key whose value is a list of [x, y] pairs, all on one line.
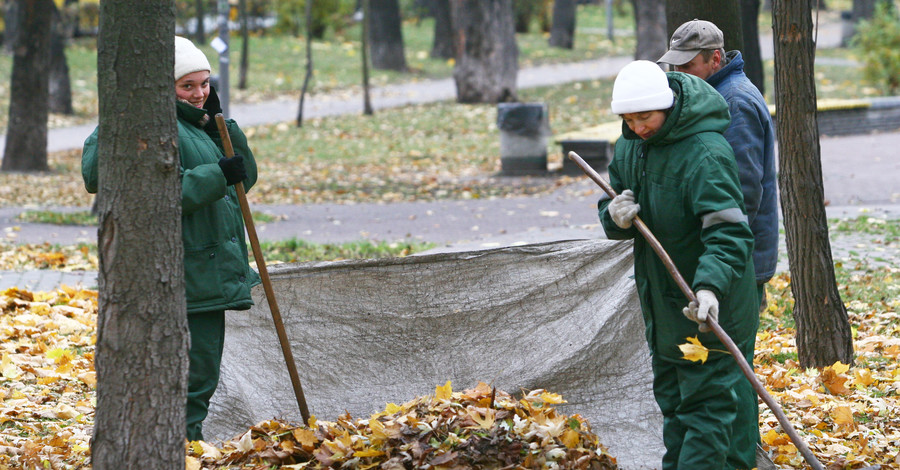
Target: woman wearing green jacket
{"points": [[216, 268], [674, 167]]}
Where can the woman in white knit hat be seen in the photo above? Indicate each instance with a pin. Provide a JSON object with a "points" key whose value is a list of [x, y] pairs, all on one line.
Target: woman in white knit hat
{"points": [[218, 276], [674, 168]]}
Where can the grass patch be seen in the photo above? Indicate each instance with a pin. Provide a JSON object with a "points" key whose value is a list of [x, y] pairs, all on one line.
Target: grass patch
{"points": [[295, 250], [85, 218], [888, 228]]}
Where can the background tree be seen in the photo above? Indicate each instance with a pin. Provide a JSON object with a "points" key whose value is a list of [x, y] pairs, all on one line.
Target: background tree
{"points": [[443, 47], [309, 63], [201, 25], [386, 36], [142, 340], [823, 329], [562, 32], [650, 29], [753, 63], [488, 63], [524, 11], [26, 137], [367, 102], [726, 14], [245, 44], [60, 86]]}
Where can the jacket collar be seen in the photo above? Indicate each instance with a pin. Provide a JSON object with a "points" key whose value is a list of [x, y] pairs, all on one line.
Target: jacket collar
{"points": [[734, 65]]}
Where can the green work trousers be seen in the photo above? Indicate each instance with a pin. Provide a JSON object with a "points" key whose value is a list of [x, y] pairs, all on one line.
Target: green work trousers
{"points": [[207, 340], [705, 414]]}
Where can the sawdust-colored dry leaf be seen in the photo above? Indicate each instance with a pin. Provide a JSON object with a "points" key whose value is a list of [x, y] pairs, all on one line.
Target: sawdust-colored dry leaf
{"points": [[693, 350], [842, 415]]}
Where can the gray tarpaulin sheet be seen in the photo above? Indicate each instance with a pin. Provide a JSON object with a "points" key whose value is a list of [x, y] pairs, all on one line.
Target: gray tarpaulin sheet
{"points": [[562, 316]]}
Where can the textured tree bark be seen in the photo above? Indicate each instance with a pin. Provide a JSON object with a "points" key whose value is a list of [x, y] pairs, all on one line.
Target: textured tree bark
{"points": [[201, 27], [142, 340], [823, 329], [245, 45], [488, 63], [562, 32], [26, 135], [650, 26], [753, 63], [443, 47], [60, 86], [726, 14], [386, 36]]}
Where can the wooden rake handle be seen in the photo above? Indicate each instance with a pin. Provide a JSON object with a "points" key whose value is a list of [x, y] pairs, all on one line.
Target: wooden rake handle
{"points": [[711, 322], [264, 275]]}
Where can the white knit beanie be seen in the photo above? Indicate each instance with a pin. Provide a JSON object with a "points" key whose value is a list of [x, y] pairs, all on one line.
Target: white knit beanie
{"points": [[188, 58], [641, 86]]}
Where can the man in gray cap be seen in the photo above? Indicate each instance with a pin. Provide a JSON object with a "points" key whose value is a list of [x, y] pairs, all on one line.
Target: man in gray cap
{"points": [[697, 48]]}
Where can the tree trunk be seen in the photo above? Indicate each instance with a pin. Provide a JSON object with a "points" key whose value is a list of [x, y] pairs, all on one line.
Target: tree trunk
{"points": [[309, 63], [488, 63], [443, 31], [245, 45], [823, 330], [26, 135], [650, 26], [524, 11], [753, 63], [386, 36], [11, 25], [562, 33], [201, 26], [60, 87], [726, 14], [367, 102], [142, 339]]}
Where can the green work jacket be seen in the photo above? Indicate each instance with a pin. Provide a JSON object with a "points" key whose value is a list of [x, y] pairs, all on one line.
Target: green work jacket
{"points": [[216, 268], [685, 179]]}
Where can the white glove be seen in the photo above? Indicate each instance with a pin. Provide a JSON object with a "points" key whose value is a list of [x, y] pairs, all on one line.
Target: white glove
{"points": [[623, 209], [708, 307]]}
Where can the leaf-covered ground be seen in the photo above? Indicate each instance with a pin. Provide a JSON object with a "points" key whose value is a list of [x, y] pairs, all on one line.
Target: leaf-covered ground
{"points": [[849, 414]]}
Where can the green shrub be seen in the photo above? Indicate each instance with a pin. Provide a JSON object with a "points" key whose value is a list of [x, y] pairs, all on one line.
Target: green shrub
{"points": [[878, 44], [291, 16]]}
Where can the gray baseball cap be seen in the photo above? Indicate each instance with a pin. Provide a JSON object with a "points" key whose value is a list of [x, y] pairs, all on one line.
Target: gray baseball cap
{"points": [[691, 38]]}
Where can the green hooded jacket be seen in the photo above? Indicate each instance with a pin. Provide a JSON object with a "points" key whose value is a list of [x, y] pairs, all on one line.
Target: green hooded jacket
{"points": [[216, 268], [685, 179]]}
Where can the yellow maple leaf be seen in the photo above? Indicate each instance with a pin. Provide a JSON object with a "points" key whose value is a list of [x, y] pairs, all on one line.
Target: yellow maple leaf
{"points": [[693, 350], [570, 438], [834, 382], [443, 392], [552, 398], [487, 421], [842, 415], [9, 369], [840, 367], [370, 452], [863, 376], [305, 437], [392, 408]]}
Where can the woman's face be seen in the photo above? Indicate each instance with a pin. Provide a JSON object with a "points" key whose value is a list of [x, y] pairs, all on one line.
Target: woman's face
{"points": [[645, 124], [193, 88]]}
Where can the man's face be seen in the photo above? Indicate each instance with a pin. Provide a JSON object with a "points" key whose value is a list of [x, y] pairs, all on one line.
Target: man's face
{"points": [[700, 68]]}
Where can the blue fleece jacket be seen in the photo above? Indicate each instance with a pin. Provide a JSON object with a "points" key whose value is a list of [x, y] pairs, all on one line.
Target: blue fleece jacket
{"points": [[752, 137]]}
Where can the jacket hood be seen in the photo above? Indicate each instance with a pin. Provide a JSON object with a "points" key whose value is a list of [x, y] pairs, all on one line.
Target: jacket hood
{"points": [[698, 108]]}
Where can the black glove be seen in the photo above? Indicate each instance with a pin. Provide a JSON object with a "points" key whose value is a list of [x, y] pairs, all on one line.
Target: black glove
{"points": [[233, 169]]}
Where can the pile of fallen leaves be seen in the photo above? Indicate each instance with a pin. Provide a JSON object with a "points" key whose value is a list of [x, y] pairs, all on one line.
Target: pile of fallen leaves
{"points": [[30, 256], [476, 428]]}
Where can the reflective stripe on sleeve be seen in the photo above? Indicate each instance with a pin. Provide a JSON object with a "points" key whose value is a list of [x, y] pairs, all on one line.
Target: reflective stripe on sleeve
{"points": [[733, 215]]}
